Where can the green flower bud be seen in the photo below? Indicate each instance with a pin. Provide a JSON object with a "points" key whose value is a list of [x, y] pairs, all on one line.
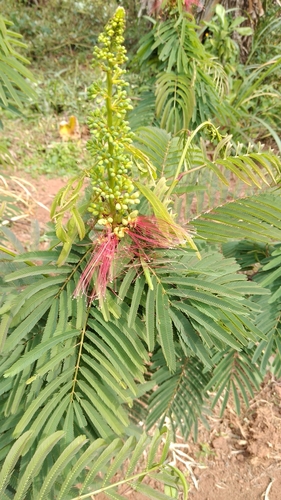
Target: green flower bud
{"points": [[112, 186], [102, 222]]}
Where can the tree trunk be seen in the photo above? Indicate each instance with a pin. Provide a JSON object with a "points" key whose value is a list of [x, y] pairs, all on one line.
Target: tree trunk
{"points": [[251, 8]]}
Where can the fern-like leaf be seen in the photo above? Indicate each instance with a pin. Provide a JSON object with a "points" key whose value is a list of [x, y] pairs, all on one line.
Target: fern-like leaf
{"points": [[179, 398], [90, 471], [234, 373]]}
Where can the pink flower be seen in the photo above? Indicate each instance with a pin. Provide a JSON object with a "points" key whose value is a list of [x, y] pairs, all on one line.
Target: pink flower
{"points": [[151, 232], [144, 233], [101, 261], [190, 3]]}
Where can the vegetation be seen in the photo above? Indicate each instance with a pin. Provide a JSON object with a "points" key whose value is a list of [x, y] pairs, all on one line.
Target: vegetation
{"points": [[159, 292], [192, 82]]}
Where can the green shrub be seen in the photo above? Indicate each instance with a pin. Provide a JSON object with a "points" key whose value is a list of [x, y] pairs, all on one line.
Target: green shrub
{"points": [[192, 82], [134, 313]]}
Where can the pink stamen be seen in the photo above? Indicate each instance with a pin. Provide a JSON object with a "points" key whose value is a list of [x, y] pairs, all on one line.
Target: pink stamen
{"points": [[145, 232], [150, 232], [101, 260]]}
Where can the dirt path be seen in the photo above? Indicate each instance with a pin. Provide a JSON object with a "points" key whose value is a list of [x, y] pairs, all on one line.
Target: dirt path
{"points": [[34, 197]]}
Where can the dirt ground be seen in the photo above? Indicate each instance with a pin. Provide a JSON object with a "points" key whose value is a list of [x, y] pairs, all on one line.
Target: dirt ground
{"points": [[238, 458], [34, 197]]}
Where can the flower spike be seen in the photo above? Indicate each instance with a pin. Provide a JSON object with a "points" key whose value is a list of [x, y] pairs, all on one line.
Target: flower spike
{"points": [[114, 194]]}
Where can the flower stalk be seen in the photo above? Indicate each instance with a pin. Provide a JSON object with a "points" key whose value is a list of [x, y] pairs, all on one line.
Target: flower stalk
{"points": [[114, 194]]}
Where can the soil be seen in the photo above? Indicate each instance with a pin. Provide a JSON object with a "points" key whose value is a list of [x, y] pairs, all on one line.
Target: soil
{"points": [[239, 458], [242, 454], [34, 197]]}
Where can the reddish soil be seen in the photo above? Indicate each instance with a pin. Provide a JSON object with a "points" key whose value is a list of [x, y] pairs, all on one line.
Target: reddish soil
{"points": [[243, 461], [239, 458], [35, 199]]}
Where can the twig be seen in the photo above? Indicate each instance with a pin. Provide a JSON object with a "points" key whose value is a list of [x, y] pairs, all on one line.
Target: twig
{"points": [[266, 493]]}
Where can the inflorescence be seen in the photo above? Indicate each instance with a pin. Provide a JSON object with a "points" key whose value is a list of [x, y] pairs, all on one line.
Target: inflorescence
{"points": [[114, 195], [114, 199]]}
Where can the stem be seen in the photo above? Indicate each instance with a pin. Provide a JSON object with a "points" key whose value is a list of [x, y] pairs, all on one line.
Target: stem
{"points": [[118, 483], [109, 125], [188, 142], [72, 272], [14, 254], [83, 329], [79, 354], [194, 169], [7, 251]]}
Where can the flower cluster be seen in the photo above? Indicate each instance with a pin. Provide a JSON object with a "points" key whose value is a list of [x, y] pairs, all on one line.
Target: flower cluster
{"points": [[143, 234], [114, 200], [114, 196]]}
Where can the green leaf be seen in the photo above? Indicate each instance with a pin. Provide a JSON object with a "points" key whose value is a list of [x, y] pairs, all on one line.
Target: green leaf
{"points": [[209, 324], [35, 271], [154, 445], [63, 311], [59, 466], [96, 420], [102, 461], [93, 451], [198, 283], [190, 337], [164, 327], [4, 328], [53, 363], [137, 295], [33, 289], [139, 448], [20, 69], [150, 493], [207, 298], [126, 284], [26, 326], [42, 398], [51, 322], [33, 302], [119, 343], [106, 414], [120, 458], [35, 464], [17, 450], [150, 315], [105, 393], [79, 222], [113, 364], [29, 358], [40, 255], [54, 412]]}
